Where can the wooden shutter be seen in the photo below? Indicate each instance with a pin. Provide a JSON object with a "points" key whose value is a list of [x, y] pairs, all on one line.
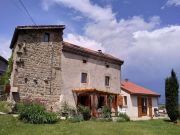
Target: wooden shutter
{"points": [[120, 100], [150, 106], [139, 106]]}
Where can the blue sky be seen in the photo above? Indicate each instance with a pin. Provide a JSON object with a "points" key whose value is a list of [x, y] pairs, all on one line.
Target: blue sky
{"points": [[144, 33]]}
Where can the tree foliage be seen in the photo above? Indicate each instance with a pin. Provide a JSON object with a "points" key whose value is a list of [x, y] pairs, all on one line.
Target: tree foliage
{"points": [[171, 93], [4, 79]]}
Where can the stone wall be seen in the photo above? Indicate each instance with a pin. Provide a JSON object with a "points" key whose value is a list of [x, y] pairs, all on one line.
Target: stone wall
{"points": [[37, 67]]}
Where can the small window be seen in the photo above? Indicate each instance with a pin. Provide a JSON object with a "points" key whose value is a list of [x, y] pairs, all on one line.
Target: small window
{"points": [[107, 66], [84, 78], [46, 37], [25, 80], [107, 79], [125, 100], [84, 61]]}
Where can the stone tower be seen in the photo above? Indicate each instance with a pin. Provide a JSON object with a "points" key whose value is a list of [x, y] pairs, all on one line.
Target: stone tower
{"points": [[36, 71]]}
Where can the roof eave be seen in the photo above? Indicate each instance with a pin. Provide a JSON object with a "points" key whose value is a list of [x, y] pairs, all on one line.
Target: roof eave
{"points": [[2, 58], [144, 94]]}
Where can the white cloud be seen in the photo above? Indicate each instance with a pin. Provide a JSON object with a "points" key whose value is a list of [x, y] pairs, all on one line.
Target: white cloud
{"points": [[77, 18], [173, 3], [88, 9], [156, 52], [5, 51], [149, 52], [84, 41]]}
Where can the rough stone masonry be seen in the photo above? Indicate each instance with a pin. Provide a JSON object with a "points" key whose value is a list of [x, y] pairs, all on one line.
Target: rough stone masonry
{"points": [[36, 71]]}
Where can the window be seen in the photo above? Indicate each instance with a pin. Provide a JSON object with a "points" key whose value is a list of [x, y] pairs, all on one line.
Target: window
{"points": [[107, 79], [84, 78], [107, 66], [84, 61], [125, 100], [46, 37]]}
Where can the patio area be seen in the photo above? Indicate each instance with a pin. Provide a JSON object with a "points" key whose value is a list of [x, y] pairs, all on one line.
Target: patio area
{"points": [[95, 99]]}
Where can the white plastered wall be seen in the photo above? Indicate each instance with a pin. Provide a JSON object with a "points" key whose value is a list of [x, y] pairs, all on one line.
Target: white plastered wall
{"points": [[132, 107]]}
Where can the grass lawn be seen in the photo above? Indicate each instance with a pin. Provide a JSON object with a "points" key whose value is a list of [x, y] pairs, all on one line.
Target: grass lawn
{"points": [[12, 126]]}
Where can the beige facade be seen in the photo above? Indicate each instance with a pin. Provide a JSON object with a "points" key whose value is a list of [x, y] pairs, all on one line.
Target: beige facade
{"points": [[73, 66]]}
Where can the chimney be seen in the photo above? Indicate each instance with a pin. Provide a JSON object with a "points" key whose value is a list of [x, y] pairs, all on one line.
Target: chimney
{"points": [[126, 80], [100, 51]]}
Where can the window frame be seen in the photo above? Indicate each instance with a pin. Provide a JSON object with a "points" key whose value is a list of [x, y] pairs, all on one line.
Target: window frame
{"points": [[46, 37], [86, 79], [107, 84], [125, 100]]}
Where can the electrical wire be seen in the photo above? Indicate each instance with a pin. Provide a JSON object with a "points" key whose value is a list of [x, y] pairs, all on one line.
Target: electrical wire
{"points": [[28, 13]]}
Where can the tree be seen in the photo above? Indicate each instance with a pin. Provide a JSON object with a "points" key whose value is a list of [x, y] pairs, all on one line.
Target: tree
{"points": [[4, 79], [171, 93]]}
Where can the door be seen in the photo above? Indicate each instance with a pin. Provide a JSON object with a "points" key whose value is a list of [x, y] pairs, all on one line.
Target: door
{"points": [[142, 106]]}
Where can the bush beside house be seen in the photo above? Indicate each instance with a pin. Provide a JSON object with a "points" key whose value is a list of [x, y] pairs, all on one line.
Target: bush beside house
{"points": [[35, 114]]}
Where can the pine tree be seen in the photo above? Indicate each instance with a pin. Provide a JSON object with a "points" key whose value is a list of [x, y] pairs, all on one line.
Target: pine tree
{"points": [[171, 93]]}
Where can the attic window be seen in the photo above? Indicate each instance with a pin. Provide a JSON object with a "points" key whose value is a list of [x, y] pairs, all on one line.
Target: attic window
{"points": [[46, 37], [107, 66], [84, 61]]}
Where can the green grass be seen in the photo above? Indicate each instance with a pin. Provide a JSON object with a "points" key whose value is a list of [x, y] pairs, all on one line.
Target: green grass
{"points": [[12, 126]]}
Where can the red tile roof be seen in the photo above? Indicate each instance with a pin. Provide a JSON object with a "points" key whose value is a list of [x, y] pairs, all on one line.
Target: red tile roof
{"points": [[135, 89]]}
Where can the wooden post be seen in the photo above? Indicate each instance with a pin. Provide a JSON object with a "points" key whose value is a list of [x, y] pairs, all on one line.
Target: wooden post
{"points": [[106, 100], [116, 105], [93, 106], [89, 102]]}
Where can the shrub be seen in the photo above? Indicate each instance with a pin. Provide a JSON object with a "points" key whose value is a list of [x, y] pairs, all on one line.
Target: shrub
{"points": [[67, 111], [17, 107], [35, 114], [123, 117], [85, 112], [106, 112], [76, 118], [5, 107]]}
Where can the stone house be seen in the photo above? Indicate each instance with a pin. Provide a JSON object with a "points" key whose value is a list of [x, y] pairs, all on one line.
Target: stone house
{"points": [[53, 71], [138, 102], [3, 65]]}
